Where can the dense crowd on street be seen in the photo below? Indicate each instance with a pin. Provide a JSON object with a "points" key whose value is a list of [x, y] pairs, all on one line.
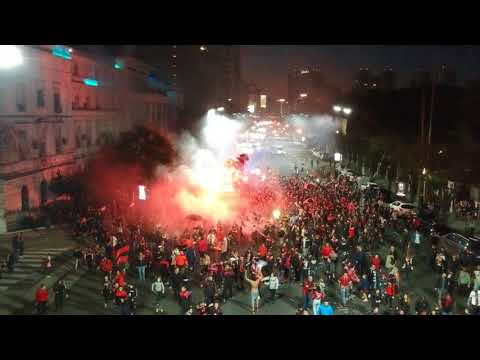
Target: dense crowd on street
{"points": [[333, 240]]}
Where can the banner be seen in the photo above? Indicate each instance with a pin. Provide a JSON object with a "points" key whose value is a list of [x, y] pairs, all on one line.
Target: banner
{"points": [[122, 260], [122, 251]]}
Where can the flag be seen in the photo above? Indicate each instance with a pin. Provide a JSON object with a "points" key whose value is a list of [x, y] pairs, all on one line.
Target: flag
{"points": [[122, 250], [122, 260]]}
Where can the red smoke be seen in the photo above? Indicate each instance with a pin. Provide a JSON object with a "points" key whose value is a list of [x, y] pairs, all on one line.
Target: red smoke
{"points": [[172, 196]]}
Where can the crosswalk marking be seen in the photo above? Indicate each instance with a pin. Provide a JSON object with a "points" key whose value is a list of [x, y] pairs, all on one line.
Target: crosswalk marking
{"points": [[27, 265]]}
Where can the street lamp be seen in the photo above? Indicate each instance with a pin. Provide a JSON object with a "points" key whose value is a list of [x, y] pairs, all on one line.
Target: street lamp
{"points": [[281, 101], [10, 57], [303, 95], [203, 48]]}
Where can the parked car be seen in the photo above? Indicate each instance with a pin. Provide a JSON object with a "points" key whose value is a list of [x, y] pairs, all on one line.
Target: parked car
{"points": [[369, 185], [466, 247], [403, 209]]}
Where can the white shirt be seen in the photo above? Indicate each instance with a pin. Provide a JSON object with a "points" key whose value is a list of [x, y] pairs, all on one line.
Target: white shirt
{"points": [[474, 298]]}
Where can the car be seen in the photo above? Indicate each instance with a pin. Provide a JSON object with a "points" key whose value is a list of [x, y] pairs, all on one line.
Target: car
{"points": [[458, 244], [403, 209], [369, 185]]}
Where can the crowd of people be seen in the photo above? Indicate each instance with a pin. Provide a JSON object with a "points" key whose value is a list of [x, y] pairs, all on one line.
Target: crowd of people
{"points": [[333, 241]]}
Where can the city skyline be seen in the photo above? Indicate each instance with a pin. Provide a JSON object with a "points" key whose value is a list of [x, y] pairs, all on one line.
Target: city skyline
{"points": [[267, 65]]}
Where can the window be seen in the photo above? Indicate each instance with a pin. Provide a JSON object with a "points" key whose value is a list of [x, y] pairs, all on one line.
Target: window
{"points": [[40, 98], [22, 145], [57, 101], [21, 97], [25, 199], [43, 192], [40, 87], [58, 139], [75, 68], [78, 139], [86, 104]]}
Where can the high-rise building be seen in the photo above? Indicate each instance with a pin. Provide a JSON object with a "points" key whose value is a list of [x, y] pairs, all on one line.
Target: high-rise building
{"points": [[58, 109], [209, 76], [387, 80], [363, 79], [420, 77], [308, 91], [447, 75]]}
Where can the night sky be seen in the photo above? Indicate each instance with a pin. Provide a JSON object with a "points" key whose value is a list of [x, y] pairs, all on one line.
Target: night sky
{"points": [[267, 65]]}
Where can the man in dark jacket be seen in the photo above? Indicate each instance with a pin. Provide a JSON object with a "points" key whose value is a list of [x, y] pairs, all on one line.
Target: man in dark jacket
{"points": [[422, 307], [60, 291], [209, 290], [228, 277], [360, 260], [176, 281], [376, 299]]}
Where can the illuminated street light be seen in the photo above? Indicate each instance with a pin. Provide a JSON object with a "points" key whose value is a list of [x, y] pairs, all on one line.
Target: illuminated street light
{"points": [[230, 99], [337, 132], [281, 100], [10, 56], [337, 108], [303, 95], [440, 152], [424, 171], [347, 111], [203, 48]]}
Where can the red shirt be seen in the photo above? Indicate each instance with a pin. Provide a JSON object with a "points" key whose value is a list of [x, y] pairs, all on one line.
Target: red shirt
{"points": [[181, 260], [376, 262], [344, 280], [351, 232], [326, 251], [120, 279], [203, 245], [188, 243], [106, 265], [262, 251], [41, 295], [185, 294], [390, 290], [121, 294], [307, 286]]}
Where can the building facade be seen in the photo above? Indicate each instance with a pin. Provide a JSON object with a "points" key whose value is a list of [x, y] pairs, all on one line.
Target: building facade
{"points": [[56, 110], [309, 92]]}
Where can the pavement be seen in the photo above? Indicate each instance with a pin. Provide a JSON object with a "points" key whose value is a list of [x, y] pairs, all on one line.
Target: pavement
{"points": [[17, 289]]}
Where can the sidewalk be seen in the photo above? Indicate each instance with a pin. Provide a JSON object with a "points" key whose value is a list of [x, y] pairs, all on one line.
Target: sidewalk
{"points": [[18, 297]]}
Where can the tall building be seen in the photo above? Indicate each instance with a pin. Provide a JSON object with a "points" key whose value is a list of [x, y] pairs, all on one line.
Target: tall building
{"points": [[209, 76], [387, 79], [308, 91], [363, 79], [58, 109], [447, 75], [420, 77]]}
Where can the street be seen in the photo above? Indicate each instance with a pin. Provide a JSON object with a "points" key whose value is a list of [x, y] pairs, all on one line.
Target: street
{"points": [[17, 289]]}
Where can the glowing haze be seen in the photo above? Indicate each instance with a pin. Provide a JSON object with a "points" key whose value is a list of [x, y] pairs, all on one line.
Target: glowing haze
{"points": [[202, 185]]}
